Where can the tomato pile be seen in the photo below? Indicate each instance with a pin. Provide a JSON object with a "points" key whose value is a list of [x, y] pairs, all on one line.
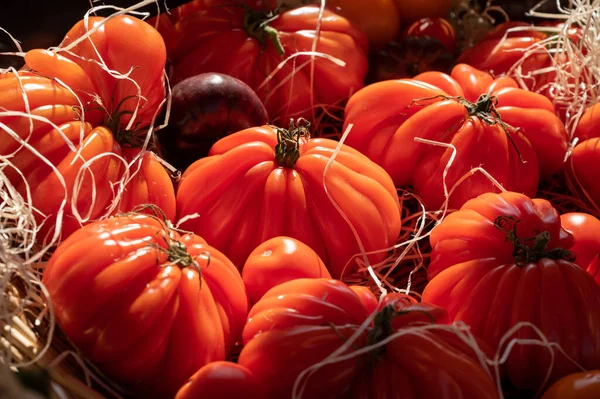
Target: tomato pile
{"points": [[234, 196]]}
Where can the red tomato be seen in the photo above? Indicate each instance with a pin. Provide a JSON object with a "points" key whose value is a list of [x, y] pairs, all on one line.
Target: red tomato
{"points": [[584, 385], [435, 28], [583, 171], [147, 305], [500, 50], [586, 231], [589, 124], [278, 260], [301, 322], [123, 43], [501, 260], [366, 296], [220, 36], [222, 380], [427, 107], [265, 182]]}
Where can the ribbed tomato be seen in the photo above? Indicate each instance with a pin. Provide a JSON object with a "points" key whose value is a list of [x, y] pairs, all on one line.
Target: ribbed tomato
{"points": [[247, 41], [88, 116], [503, 259], [511, 133], [265, 182], [301, 322], [278, 260], [223, 380], [147, 305]]}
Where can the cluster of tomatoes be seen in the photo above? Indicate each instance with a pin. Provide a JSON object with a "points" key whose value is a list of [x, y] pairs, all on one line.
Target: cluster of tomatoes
{"points": [[226, 281]]}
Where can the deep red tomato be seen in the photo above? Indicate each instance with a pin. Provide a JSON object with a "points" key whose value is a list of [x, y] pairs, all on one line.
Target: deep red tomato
{"points": [[366, 296], [583, 170], [301, 322], [76, 131], [586, 231], [249, 44], [464, 110], [278, 260], [584, 385], [502, 259], [499, 50], [435, 28], [223, 380], [265, 182], [147, 305]]}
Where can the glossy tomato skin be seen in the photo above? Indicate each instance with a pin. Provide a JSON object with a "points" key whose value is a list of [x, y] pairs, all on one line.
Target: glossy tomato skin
{"points": [[419, 110], [243, 190], [584, 385], [216, 28], [474, 275], [223, 380], [367, 297], [586, 231], [582, 171], [380, 20], [205, 108], [111, 276], [296, 325], [589, 124], [278, 260], [436, 28], [64, 87]]}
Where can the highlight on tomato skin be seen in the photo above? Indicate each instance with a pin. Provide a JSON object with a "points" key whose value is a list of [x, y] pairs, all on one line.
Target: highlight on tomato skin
{"points": [[583, 385]]}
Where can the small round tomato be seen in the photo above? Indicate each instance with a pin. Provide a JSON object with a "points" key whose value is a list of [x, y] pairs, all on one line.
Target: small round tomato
{"points": [[435, 28], [586, 231], [278, 260], [221, 379], [411, 10], [380, 20], [585, 385]]}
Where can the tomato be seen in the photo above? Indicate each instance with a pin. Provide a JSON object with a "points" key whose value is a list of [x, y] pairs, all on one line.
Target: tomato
{"points": [[503, 259], [249, 44], [301, 322], [414, 10], [147, 305], [366, 296], [435, 28], [278, 260], [586, 231], [589, 124], [224, 380], [265, 182], [499, 50], [583, 169], [584, 385], [380, 20], [464, 110], [75, 131]]}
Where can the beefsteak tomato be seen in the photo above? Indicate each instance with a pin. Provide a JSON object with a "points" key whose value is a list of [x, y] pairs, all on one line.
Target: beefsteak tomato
{"points": [[300, 323], [512, 133], [266, 181], [435, 28], [503, 259], [72, 145], [250, 42], [147, 305], [278, 260], [583, 171], [223, 380]]}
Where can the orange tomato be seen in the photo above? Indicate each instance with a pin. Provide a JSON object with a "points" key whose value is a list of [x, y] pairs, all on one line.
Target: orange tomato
{"points": [[411, 10], [379, 20], [278, 260], [222, 380], [585, 385]]}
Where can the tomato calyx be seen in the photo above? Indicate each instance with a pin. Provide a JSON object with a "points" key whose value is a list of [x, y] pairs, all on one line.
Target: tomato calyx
{"points": [[287, 150], [256, 24], [531, 249]]}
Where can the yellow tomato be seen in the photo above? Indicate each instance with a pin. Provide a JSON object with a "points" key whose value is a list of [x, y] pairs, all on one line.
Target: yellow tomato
{"points": [[412, 10], [585, 385], [379, 19]]}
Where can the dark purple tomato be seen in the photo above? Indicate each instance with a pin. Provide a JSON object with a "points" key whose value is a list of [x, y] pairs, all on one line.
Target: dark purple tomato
{"points": [[204, 109]]}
